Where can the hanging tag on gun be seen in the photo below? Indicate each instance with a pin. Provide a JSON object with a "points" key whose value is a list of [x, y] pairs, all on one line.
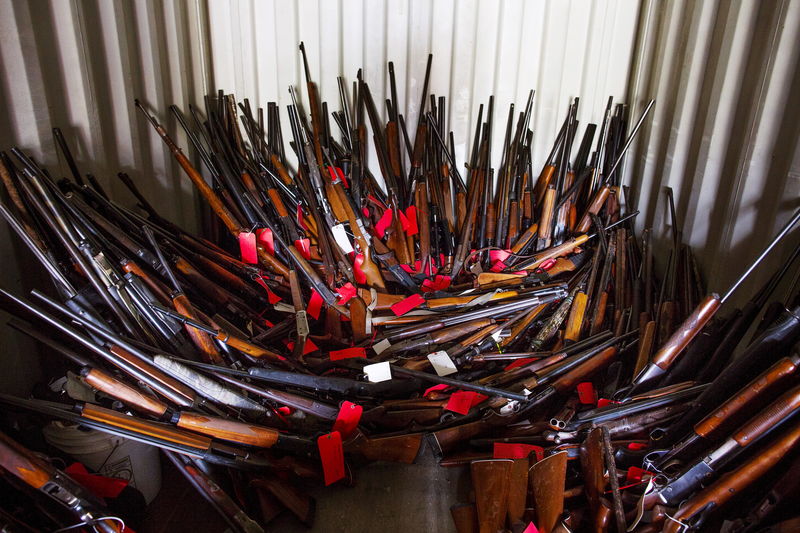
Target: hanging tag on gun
{"points": [[332, 455]]}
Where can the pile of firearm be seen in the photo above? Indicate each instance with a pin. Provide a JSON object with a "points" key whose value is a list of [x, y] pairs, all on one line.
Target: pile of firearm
{"points": [[509, 318]]}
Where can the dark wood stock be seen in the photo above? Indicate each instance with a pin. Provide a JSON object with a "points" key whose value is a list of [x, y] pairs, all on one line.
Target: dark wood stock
{"points": [[299, 503], [490, 482], [547, 478], [465, 517], [399, 449], [517, 490]]}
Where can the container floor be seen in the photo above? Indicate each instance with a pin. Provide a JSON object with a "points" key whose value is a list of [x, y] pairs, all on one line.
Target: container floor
{"points": [[387, 497]]}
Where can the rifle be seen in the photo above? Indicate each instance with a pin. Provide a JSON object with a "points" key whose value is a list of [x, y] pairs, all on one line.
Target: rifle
{"points": [[672, 348], [743, 401], [673, 490], [233, 225], [39, 475], [225, 506], [696, 509], [600, 197]]}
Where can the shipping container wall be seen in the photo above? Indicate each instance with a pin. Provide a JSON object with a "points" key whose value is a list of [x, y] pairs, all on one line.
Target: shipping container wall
{"points": [[724, 131]]}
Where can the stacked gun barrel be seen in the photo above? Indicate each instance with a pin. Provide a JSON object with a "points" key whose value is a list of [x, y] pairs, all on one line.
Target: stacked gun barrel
{"points": [[505, 314]]}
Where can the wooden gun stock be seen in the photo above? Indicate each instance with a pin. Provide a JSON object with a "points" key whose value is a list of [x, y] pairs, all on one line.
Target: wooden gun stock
{"points": [[690, 327], [125, 393], [735, 481], [202, 340], [490, 482], [547, 478], [773, 375], [399, 449], [226, 429]]}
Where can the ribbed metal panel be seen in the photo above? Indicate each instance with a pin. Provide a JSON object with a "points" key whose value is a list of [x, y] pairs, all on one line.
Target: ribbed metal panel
{"points": [[724, 133]]}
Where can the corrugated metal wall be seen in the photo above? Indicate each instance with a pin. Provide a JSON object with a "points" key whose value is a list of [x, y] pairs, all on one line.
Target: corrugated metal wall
{"points": [[724, 132]]}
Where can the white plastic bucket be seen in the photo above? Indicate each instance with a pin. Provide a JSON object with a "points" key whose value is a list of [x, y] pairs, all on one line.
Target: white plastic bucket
{"points": [[110, 455]]}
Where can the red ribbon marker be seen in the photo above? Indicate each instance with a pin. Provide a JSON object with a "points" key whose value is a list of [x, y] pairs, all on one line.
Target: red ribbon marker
{"points": [[404, 306], [332, 455], [247, 245], [348, 418]]}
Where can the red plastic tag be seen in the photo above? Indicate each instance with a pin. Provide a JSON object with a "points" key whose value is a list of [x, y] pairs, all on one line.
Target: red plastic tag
{"points": [[498, 267], [404, 306], [247, 245], [547, 264], [384, 223], [586, 393], [266, 239], [346, 293], [602, 402], [635, 474], [284, 410], [507, 450], [635, 446], [104, 487], [439, 387], [332, 455], [271, 296], [348, 418], [308, 347], [439, 283], [300, 221], [462, 401], [531, 528], [304, 247], [518, 363], [498, 255], [342, 177], [314, 305], [411, 227], [348, 353], [361, 277]]}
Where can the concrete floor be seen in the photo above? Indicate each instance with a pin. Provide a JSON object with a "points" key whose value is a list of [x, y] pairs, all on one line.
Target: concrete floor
{"points": [[387, 497]]}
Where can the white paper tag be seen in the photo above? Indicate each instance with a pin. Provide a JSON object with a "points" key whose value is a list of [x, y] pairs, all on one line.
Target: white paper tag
{"points": [[378, 372], [379, 347], [442, 363], [340, 235]]}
